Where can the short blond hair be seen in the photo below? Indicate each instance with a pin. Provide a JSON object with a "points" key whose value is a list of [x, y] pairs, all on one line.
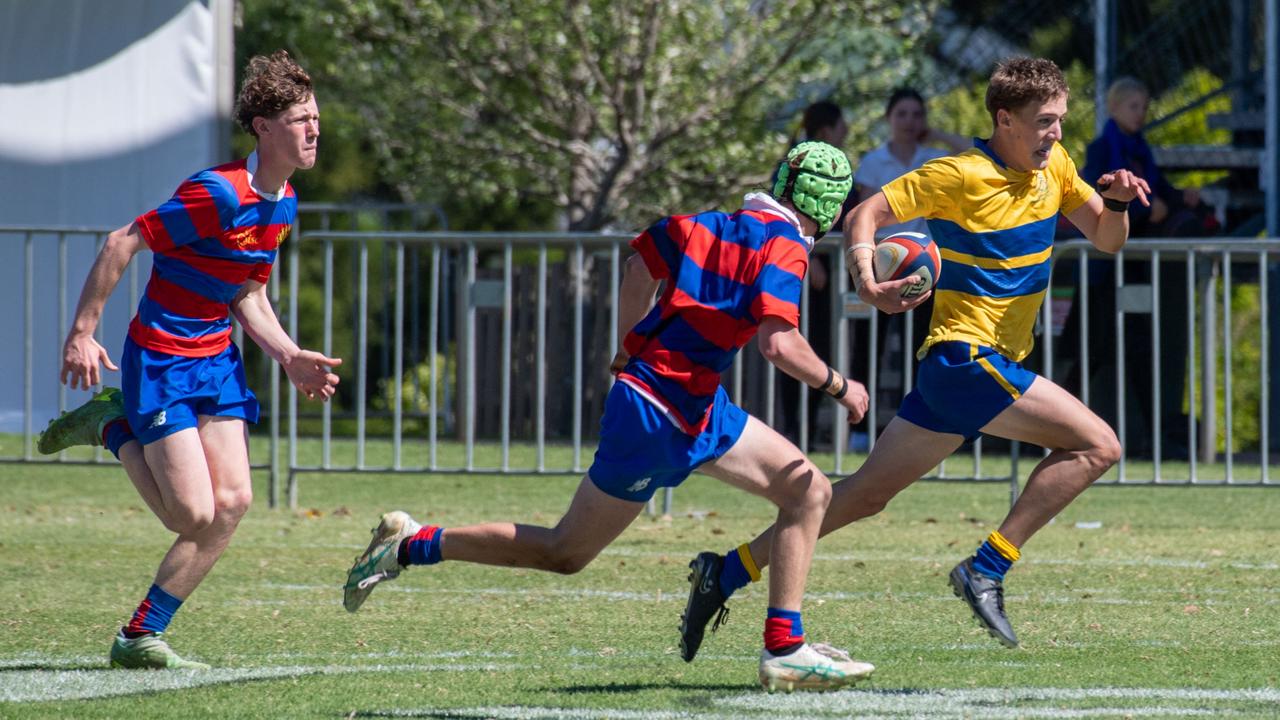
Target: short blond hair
{"points": [[1123, 87]]}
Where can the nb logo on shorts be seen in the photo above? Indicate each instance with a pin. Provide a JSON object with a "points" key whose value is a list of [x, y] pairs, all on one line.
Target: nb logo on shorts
{"points": [[157, 421], [639, 485]]}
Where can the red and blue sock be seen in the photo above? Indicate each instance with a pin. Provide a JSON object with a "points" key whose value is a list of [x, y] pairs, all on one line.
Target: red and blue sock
{"points": [[115, 434], [423, 548], [154, 614], [783, 631]]}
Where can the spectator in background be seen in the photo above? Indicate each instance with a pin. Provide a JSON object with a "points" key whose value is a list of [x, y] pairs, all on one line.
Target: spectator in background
{"points": [[822, 121], [1173, 213], [912, 143]]}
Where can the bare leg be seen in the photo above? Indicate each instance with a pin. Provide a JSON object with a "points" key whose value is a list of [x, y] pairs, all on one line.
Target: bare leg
{"points": [[204, 482], [903, 453], [1083, 448], [594, 519], [135, 466], [767, 464]]}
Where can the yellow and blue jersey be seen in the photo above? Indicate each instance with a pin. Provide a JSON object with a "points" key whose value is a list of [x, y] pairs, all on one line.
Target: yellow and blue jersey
{"points": [[994, 228]]}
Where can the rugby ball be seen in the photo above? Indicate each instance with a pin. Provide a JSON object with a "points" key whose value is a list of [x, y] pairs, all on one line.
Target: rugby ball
{"points": [[907, 254]]}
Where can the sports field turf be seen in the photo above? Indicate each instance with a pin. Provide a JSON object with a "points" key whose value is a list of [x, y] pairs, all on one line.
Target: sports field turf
{"points": [[1136, 602]]}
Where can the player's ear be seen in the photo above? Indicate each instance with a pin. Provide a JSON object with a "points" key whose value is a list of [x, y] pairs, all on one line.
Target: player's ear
{"points": [[261, 126], [1003, 118]]}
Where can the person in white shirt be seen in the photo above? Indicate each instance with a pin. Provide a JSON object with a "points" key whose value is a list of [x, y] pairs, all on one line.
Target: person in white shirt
{"points": [[912, 143]]}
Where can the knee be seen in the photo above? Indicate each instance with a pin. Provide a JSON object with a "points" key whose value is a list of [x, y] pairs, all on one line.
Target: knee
{"points": [[1104, 452], [231, 505], [188, 519], [567, 562], [808, 488]]}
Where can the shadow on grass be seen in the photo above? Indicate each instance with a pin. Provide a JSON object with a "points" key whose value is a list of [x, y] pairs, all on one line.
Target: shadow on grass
{"points": [[54, 666]]}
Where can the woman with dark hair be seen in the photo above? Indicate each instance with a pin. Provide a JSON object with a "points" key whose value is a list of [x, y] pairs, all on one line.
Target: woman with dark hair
{"points": [[910, 144], [824, 121]]}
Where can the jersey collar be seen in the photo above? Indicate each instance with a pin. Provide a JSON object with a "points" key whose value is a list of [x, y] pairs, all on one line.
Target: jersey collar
{"points": [[251, 167], [764, 202]]}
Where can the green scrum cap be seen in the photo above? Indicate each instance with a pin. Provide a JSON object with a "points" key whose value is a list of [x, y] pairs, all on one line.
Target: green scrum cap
{"points": [[816, 178]]}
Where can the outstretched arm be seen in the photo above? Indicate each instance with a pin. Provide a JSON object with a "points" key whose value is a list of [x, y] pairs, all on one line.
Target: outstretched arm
{"points": [[82, 356], [783, 345], [1108, 228], [309, 371]]}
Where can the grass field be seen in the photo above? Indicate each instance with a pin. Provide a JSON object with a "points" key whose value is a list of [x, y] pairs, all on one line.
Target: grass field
{"points": [[1136, 602]]}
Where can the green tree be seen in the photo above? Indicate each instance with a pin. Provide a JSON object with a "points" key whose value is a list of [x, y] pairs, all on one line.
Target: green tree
{"points": [[606, 112]]}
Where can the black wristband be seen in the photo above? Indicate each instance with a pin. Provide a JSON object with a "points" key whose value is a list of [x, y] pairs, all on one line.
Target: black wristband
{"points": [[844, 389], [1115, 205], [831, 376]]}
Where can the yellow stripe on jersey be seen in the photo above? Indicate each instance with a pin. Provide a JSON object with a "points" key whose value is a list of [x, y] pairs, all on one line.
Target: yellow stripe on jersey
{"points": [[986, 263], [994, 228]]}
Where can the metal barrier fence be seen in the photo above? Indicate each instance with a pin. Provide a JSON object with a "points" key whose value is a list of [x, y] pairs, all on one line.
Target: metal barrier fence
{"points": [[499, 343]]}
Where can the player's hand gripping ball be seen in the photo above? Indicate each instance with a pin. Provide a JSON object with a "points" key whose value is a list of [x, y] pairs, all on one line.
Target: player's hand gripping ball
{"points": [[907, 254]]}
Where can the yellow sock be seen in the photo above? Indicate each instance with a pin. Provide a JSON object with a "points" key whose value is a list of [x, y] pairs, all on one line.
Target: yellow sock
{"points": [[748, 562], [1003, 546]]}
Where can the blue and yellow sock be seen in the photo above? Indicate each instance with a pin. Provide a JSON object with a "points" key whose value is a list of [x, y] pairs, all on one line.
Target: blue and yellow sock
{"points": [[423, 548], [995, 556], [783, 631], [739, 569], [153, 614]]}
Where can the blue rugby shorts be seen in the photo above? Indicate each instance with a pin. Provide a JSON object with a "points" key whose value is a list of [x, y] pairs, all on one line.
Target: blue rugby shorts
{"points": [[960, 387], [641, 450], [166, 393]]}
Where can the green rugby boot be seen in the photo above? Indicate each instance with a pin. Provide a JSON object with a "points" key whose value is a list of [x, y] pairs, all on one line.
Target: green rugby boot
{"points": [[149, 652], [379, 562], [82, 426]]}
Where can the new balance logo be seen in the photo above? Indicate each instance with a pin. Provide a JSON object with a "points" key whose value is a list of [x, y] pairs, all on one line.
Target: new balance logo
{"points": [[157, 421], [639, 485]]}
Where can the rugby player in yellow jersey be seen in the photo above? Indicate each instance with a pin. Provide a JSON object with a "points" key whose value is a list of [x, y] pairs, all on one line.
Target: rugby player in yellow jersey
{"points": [[992, 211]]}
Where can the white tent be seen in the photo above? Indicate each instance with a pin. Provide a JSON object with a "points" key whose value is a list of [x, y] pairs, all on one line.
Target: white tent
{"points": [[104, 108]]}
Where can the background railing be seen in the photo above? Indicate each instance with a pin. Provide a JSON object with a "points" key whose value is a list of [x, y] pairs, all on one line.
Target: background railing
{"points": [[486, 353]]}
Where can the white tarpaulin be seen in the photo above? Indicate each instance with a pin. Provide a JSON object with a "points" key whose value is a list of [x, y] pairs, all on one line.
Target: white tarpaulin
{"points": [[104, 108]]}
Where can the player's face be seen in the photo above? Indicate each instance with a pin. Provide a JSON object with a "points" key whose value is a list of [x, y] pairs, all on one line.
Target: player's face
{"points": [[294, 133], [1032, 132]]}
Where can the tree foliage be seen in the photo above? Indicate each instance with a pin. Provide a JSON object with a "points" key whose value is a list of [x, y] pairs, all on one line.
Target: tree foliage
{"points": [[609, 113]]}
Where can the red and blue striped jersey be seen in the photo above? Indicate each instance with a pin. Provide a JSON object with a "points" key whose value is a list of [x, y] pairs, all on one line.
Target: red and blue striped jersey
{"points": [[724, 274], [212, 236]]}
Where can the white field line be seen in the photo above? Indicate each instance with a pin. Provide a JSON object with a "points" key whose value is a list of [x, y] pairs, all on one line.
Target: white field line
{"points": [[27, 685], [952, 559], [588, 594], [1013, 702], [84, 684], [999, 704], [1188, 563]]}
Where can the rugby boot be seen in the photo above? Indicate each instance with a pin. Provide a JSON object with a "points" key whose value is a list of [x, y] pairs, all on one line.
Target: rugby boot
{"points": [[705, 600], [379, 562], [816, 666], [149, 652], [82, 426], [986, 598]]}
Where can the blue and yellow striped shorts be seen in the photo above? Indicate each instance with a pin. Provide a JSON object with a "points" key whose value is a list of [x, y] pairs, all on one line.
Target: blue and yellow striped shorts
{"points": [[960, 387]]}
